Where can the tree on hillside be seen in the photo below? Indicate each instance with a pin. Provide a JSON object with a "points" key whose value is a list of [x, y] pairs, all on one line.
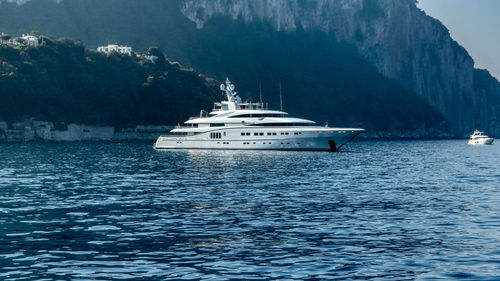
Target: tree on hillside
{"points": [[156, 52], [5, 37]]}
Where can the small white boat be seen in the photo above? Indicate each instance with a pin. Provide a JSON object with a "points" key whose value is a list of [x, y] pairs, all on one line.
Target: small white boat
{"points": [[479, 138]]}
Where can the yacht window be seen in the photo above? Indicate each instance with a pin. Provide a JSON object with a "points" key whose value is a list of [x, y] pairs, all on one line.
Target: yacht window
{"points": [[216, 124], [215, 135], [282, 133], [261, 134], [274, 134], [242, 134], [255, 134], [248, 134], [224, 133], [269, 134], [296, 133]]}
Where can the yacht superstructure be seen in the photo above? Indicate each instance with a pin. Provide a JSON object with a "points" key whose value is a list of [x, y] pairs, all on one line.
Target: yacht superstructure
{"points": [[479, 138], [234, 124]]}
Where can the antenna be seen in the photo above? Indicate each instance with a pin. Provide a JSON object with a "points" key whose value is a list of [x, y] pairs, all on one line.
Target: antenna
{"points": [[260, 95], [260, 91], [281, 98]]}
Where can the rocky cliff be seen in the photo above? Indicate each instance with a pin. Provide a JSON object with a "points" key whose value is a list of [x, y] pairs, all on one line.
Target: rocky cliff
{"points": [[383, 64], [395, 36]]}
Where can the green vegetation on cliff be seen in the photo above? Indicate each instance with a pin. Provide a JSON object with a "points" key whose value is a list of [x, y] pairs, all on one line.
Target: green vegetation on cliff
{"points": [[323, 79], [63, 81]]}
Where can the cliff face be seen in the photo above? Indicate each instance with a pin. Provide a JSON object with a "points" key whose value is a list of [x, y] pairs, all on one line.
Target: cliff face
{"points": [[383, 64], [322, 79], [399, 39]]}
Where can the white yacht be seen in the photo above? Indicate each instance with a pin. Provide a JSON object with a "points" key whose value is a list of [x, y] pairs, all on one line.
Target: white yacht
{"points": [[234, 124], [479, 138]]}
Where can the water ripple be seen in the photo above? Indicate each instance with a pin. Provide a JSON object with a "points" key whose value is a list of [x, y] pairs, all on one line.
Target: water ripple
{"points": [[382, 210]]}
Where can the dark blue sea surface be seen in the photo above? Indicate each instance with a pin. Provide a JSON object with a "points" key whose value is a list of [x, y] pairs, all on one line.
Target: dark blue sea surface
{"points": [[383, 210]]}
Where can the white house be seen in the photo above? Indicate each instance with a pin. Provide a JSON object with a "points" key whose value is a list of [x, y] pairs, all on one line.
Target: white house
{"points": [[115, 48], [30, 40]]}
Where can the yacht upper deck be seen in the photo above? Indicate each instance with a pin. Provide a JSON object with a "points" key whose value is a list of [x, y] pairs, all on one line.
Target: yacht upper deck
{"points": [[233, 112]]}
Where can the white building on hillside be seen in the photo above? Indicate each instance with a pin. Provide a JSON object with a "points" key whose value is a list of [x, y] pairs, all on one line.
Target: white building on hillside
{"points": [[30, 40], [115, 48]]}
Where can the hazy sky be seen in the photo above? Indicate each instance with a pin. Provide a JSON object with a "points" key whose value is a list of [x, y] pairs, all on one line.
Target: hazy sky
{"points": [[474, 24]]}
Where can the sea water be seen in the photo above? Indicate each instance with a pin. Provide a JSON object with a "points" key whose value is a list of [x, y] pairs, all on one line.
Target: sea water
{"points": [[378, 210]]}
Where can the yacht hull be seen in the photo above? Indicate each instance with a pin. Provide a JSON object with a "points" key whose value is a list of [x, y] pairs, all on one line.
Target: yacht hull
{"points": [[482, 141], [320, 138]]}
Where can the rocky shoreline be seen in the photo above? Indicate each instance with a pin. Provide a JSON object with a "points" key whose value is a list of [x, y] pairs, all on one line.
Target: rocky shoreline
{"points": [[33, 131]]}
